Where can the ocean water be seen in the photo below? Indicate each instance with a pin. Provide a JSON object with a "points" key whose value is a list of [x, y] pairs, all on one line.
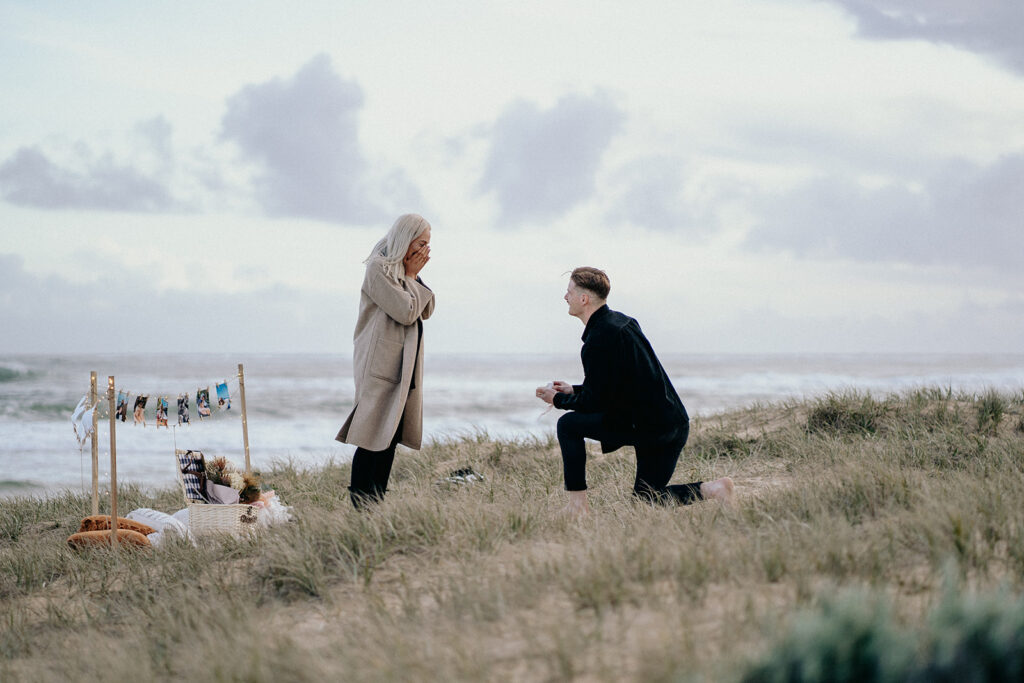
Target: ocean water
{"points": [[296, 402]]}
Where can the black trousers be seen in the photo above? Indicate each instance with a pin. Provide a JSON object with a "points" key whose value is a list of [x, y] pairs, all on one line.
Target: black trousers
{"points": [[371, 471], [655, 464]]}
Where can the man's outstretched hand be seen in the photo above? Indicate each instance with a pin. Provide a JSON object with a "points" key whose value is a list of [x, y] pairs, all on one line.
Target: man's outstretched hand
{"points": [[547, 393], [562, 387]]}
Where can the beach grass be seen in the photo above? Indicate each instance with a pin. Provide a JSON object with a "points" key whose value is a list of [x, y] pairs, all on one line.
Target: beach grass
{"points": [[872, 535]]}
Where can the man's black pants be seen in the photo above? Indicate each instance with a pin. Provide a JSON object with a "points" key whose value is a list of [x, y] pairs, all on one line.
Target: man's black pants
{"points": [[655, 464]]}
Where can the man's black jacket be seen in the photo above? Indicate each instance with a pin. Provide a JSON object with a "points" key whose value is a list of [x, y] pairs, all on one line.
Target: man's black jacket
{"points": [[624, 380]]}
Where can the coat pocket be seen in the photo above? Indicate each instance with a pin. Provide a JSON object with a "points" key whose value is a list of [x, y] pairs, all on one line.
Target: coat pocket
{"points": [[386, 361]]}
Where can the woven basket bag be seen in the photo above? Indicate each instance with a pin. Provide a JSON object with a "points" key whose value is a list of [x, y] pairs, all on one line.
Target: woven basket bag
{"points": [[208, 518]]}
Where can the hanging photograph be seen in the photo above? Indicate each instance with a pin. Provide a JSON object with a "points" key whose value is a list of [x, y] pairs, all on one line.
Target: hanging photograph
{"points": [[140, 409], [223, 399], [122, 405], [183, 409], [203, 402], [161, 412]]}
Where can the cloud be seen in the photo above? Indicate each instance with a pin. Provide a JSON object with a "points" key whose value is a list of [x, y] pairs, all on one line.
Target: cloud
{"points": [[963, 215], [652, 193], [155, 138], [543, 162], [30, 178], [124, 312], [303, 134], [989, 27]]}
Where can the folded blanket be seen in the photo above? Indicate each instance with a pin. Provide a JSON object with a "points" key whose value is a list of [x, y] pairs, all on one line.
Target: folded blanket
{"points": [[193, 473]]}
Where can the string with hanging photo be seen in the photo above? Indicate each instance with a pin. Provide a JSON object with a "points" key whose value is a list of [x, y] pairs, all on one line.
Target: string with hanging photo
{"points": [[140, 406]]}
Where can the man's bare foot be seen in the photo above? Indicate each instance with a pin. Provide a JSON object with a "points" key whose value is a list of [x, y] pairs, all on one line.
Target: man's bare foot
{"points": [[719, 489], [573, 512], [578, 505]]}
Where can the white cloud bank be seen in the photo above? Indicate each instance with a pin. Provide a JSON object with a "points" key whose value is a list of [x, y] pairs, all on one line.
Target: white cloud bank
{"points": [[125, 311]]}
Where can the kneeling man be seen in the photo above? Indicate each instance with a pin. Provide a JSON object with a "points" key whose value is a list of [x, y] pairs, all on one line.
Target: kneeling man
{"points": [[626, 399]]}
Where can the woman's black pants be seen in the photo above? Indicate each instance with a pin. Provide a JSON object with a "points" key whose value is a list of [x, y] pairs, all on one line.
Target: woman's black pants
{"points": [[371, 471], [655, 464]]}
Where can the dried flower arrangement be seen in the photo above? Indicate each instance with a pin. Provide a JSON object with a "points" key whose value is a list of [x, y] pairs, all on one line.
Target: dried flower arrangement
{"points": [[221, 471]]}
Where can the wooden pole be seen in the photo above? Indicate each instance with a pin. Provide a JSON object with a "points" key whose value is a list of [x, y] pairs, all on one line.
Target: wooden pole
{"points": [[245, 424], [113, 462], [95, 446]]}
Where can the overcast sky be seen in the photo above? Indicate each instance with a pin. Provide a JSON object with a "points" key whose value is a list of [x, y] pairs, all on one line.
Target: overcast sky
{"points": [[754, 175]]}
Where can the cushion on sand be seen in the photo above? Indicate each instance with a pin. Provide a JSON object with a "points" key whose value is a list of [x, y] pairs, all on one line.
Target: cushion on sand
{"points": [[89, 539], [159, 521], [102, 522]]}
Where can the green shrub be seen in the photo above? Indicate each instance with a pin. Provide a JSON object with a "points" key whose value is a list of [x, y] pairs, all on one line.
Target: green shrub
{"points": [[974, 639], [991, 409], [718, 444], [846, 414], [851, 639]]}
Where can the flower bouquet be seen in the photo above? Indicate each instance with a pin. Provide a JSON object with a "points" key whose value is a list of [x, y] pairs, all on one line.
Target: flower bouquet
{"points": [[227, 485]]}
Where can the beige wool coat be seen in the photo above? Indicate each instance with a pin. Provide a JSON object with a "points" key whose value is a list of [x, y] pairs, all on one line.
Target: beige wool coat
{"points": [[388, 359]]}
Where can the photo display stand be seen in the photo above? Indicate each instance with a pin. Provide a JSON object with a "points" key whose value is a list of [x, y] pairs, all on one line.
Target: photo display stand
{"points": [[112, 410]]}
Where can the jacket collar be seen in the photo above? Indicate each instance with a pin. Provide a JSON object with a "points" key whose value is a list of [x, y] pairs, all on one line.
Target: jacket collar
{"points": [[596, 316]]}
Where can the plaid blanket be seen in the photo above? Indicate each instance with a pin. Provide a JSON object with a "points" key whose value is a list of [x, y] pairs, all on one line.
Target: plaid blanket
{"points": [[193, 473]]}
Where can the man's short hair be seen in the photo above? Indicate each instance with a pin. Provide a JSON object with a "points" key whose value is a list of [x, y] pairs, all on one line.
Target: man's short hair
{"points": [[593, 280]]}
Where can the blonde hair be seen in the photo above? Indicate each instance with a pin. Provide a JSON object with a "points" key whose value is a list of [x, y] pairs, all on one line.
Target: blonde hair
{"points": [[391, 249]]}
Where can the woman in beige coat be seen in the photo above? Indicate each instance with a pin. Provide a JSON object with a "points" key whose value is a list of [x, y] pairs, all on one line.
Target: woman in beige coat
{"points": [[388, 364]]}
